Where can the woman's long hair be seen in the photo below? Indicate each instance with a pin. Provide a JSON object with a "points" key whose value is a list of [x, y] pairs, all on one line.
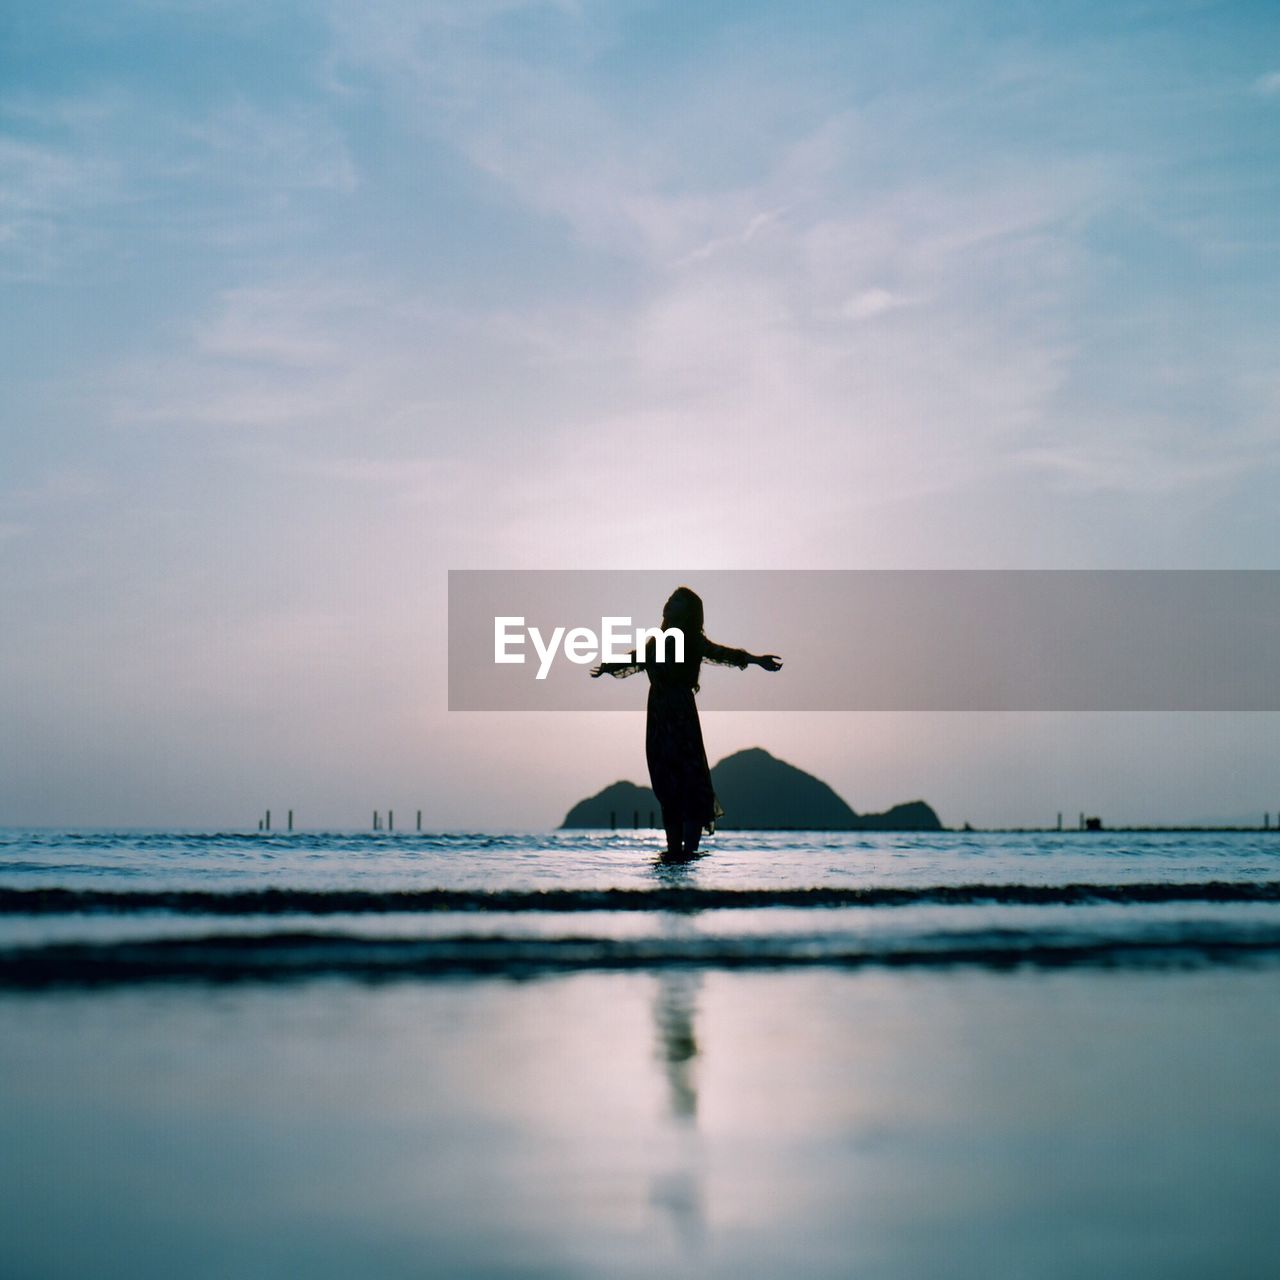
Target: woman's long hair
{"points": [[684, 610]]}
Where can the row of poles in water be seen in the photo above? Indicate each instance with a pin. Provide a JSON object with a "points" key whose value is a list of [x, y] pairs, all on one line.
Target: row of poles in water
{"points": [[264, 823]]}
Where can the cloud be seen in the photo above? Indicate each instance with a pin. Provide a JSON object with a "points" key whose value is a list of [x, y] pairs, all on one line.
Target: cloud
{"points": [[756, 224], [1133, 466], [85, 175], [868, 303], [353, 355], [44, 190], [57, 487], [286, 148], [298, 351], [733, 338], [524, 116], [47, 501], [709, 308], [588, 284], [282, 326]]}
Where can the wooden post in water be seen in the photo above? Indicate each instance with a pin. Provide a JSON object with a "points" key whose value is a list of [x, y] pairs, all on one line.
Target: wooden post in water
{"points": [[391, 820], [268, 819], [1059, 820], [1082, 820], [375, 819], [290, 819], [259, 824], [419, 827]]}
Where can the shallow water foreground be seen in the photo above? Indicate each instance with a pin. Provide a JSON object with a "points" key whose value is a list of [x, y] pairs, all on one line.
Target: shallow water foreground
{"points": [[807, 1122]]}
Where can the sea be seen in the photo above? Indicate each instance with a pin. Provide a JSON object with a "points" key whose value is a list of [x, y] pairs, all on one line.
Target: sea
{"points": [[1042, 1054]]}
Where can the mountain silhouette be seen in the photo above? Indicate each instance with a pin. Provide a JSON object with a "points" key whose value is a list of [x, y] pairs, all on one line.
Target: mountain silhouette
{"points": [[758, 793]]}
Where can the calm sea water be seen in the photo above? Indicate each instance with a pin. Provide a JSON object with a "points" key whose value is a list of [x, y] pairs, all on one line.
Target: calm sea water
{"points": [[114, 907], [1040, 1056]]}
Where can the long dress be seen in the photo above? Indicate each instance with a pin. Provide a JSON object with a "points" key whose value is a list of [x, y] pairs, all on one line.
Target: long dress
{"points": [[673, 745]]}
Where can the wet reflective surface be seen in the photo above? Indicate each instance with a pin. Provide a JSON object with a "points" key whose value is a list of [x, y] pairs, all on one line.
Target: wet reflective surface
{"points": [[1045, 1056], [685, 1123]]}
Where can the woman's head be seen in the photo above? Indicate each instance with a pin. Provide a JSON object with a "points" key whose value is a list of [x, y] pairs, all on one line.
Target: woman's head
{"points": [[683, 610]]}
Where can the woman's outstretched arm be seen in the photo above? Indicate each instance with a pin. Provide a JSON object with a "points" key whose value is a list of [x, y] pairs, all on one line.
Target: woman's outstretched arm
{"points": [[618, 669], [727, 657]]}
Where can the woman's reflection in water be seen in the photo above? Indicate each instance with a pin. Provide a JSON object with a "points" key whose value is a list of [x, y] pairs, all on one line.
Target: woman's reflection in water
{"points": [[674, 1011], [677, 1191]]}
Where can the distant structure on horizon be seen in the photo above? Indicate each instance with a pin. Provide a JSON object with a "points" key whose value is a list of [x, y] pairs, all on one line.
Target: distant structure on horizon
{"points": [[758, 793]]}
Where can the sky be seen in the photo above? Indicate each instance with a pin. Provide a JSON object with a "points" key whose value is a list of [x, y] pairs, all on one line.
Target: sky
{"points": [[306, 304]]}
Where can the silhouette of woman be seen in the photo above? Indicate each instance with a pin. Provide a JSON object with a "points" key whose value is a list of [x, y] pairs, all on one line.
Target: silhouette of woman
{"points": [[673, 736]]}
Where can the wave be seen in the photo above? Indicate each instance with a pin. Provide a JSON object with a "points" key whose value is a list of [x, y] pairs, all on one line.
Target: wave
{"points": [[319, 902], [294, 956]]}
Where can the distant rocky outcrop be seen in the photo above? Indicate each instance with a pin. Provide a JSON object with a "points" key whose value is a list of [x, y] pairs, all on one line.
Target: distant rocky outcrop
{"points": [[620, 802], [758, 793]]}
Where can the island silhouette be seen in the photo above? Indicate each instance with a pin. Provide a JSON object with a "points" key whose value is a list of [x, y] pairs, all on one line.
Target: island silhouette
{"points": [[758, 792]]}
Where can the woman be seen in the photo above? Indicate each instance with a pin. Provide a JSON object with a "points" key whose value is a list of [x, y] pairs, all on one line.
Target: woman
{"points": [[673, 737]]}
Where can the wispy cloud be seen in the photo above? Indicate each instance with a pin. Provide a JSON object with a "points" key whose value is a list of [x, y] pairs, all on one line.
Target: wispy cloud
{"points": [[763, 306], [733, 332], [755, 225], [291, 327], [57, 487], [26, 509], [342, 294], [44, 191], [240, 144], [80, 169], [866, 304], [1130, 466]]}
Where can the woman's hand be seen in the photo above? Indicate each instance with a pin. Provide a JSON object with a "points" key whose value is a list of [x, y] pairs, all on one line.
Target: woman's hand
{"points": [[769, 661]]}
